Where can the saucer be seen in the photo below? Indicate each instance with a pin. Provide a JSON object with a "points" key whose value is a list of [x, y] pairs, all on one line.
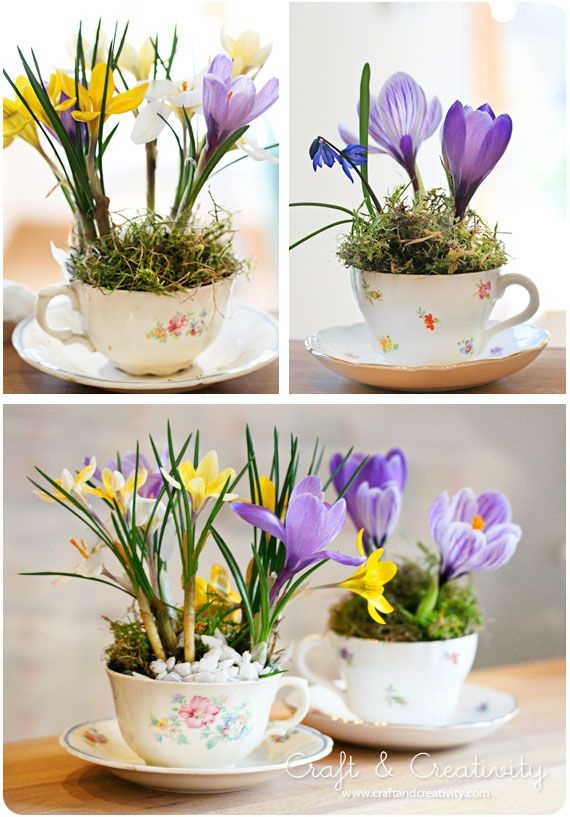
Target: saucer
{"points": [[100, 742], [347, 351], [248, 340], [480, 712]]}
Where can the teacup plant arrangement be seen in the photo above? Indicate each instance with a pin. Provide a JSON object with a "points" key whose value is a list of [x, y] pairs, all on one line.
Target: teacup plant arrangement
{"points": [[425, 267], [409, 668], [194, 679], [151, 288]]}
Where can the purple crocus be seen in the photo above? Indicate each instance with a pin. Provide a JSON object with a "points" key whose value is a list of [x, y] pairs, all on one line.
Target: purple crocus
{"points": [[472, 143], [229, 104], [321, 151], [310, 525], [400, 119], [374, 498], [473, 533]]}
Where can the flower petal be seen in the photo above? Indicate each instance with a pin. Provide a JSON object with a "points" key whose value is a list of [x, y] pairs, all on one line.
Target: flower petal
{"points": [[261, 518]]}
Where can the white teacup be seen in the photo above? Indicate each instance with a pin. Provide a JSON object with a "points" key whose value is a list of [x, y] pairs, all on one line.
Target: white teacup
{"points": [[394, 682], [201, 726], [140, 332], [435, 320]]}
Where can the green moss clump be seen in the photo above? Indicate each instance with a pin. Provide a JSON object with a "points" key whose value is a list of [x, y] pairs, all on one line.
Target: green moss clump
{"points": [[150, 254], [422, 238], [455, 614], [130, 650]]}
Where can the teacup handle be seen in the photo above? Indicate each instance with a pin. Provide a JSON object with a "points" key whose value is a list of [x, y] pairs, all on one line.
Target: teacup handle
{"points": [[64, 335], [281, 727], [505, 281], [307, 645]]}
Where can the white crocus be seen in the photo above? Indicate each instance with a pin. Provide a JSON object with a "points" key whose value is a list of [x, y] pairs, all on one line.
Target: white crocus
{"points": [[102, 54], [245, 52], [138, 63], [75, 485], [163, 97], [250, 145]]}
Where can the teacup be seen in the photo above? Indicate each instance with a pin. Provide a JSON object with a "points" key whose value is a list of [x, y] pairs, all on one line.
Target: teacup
{"points": [[201, 726], [393, 682], [435, 320], [140, 332]]}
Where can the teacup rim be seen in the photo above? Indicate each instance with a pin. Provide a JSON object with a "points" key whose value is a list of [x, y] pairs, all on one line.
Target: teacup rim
{"points": [[428, 275], [198, 685], [401, 643], [175, 293]]}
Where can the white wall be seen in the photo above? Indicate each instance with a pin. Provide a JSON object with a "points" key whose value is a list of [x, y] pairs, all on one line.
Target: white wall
{"points": [[54, 637], [437, 44]]}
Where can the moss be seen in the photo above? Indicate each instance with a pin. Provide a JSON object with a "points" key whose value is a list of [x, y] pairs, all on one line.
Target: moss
{"points": [[150, 254], [422, 238], [455, 614], [130, 650]]}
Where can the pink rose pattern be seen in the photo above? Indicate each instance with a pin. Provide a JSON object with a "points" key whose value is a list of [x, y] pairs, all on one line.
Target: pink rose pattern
{"points": [[217, 723], [180, 325]]}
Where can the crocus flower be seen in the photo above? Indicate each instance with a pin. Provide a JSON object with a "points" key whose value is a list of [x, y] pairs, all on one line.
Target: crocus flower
{"points": [[399, 121], [216, 593], [229, 104], [322, 151], [163, 97], [95, 97], [310, 525], [369, 580], [75, 485], [472, 143], [204, 482], [374, 498], [473, 533], [246, 52], [138, 63], [18, 121]]}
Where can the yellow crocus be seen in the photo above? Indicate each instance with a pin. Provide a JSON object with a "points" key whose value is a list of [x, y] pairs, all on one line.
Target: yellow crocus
{"points": [[115, 488], [138, 63], [18, 121], [369, 580], [245, 52], [58, 84], [204, 482], [92, 99], [76, 485], [217, 592], [268, 496]]}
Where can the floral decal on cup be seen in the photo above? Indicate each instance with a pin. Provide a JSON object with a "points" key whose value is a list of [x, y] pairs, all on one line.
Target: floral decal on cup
{"points": [[496, 351], [484, 290], [210, 716], [346, 655], [392, 697], [388, 344], [452, 656], [371, 295], [182, 324], [466, 346], [430, 321]]}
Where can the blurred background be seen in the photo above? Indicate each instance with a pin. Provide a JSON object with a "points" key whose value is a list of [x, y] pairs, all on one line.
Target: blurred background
{"points": [[54, 636], [508, 54], [33, 216]]}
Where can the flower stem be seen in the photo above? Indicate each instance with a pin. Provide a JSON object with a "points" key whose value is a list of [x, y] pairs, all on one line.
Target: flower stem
{"points": [[189, 619], [151, 156], [150, 626]]}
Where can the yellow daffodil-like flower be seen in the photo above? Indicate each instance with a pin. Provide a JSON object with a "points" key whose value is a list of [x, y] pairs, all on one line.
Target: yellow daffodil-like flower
{"points": [[138, 63], [369, 580], [91, 100], [204, 482], [115, 488], [72, 484], [217, 592], [54, 91], [245, 52], [18, 121]]}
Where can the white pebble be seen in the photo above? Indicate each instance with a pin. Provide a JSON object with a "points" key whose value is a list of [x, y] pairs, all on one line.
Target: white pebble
{"points": [[209, 661], [247, 672], [228, 652], [203, 677], [183, 669], [212, 642]]}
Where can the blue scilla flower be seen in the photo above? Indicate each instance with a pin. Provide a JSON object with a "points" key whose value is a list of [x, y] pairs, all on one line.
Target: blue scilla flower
{"points": [[323, 152]]}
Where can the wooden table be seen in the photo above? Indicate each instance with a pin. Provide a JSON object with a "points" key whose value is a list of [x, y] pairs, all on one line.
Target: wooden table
{"points": [[546, 375], [41, 778], [21, 378]]}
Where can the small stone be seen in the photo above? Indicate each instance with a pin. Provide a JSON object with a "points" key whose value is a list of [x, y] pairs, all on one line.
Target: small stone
{"points": [[247, 672], [158, 666], [168, 676], [203, 677], [183, 669], [212, 642], [225, 665], [232, 673], [209, 661], [229, 652], [170, 663], [140, 675]]}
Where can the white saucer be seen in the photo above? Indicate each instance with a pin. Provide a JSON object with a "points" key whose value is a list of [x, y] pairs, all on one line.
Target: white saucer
{"points": [[247, 341], [347, 351], [480, 712], [100, 742]]}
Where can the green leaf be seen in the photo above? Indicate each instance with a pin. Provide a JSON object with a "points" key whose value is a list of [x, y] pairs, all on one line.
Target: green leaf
{"points": [[363, 130], [320, 230], [76, 576], [321, 204]]}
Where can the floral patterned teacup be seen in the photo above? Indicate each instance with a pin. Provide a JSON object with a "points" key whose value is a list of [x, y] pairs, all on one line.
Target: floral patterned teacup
{"points": [[394, 682], [201, 725], [140, 332], [435, 320]]}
